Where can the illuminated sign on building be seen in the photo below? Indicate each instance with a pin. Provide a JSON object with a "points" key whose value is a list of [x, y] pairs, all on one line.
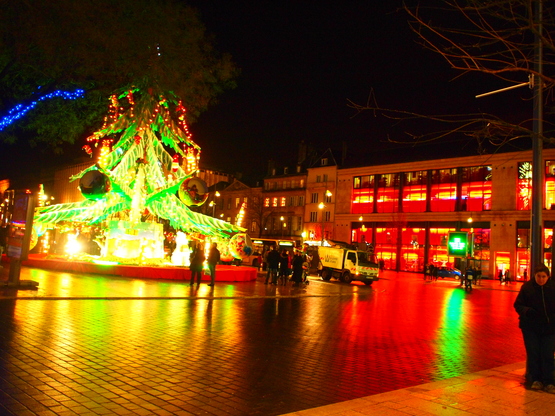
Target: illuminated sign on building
{"points": [[457, 245]]}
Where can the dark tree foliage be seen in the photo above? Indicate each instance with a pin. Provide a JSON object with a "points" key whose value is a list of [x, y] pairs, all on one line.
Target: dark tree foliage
{"points": [[103, 47]]}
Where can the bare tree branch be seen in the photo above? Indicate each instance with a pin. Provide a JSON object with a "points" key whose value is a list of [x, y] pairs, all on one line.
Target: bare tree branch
{"points": [[495, 37]]}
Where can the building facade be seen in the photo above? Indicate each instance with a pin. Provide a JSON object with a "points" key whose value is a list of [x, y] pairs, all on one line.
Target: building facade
{"points": [[283, 198], [407, 210], [319, 213]]}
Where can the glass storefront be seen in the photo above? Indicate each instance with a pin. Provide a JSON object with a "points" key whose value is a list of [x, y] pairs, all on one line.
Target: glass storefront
{"points": [[411, 247]]}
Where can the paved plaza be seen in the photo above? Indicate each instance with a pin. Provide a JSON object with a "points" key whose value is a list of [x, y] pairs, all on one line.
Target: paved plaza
{"points": [[95, 345]]}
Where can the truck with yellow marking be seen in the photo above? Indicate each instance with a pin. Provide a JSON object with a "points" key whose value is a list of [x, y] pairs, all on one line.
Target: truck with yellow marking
{"points": [[346, 263]]}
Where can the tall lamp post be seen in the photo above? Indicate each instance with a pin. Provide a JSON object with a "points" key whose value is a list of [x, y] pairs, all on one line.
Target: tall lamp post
{"points": [[321, 206]]}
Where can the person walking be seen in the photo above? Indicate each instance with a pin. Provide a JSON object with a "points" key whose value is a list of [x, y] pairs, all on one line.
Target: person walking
{"points": [[535, 305], [507, 277], [213, 259], [273, 264], [500, 276], [478, 276], [197, 260]]}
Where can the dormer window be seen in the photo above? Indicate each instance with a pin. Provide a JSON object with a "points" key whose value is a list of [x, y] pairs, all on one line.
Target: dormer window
{"points": [[324, 161], [285, 171]]}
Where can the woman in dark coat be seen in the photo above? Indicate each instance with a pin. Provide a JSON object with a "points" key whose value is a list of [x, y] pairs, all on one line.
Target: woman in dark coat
{"points": [[197, 261], [284, 267], [298, 262], [535, 305]]}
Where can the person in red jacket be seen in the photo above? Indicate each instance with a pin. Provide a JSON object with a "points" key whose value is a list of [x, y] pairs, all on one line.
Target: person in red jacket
{"points": [[535, 305]]}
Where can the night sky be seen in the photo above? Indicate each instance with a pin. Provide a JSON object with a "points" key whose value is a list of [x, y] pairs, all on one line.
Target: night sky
{"points": [[301, 61]]}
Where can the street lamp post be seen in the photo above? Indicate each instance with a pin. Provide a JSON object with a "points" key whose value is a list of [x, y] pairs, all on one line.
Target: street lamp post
{"points": [[321, 206], [213, 203]]}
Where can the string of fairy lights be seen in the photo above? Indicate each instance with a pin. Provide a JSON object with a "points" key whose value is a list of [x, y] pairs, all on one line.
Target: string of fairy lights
{"points": [[190, 152], [20, 110]]}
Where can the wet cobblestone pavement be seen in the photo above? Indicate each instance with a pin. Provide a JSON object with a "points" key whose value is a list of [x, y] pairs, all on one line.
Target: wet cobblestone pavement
{"points": [[99, 345]]}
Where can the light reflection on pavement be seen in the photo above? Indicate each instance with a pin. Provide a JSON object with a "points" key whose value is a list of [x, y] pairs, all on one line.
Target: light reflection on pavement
{"points": [[106, 343]]}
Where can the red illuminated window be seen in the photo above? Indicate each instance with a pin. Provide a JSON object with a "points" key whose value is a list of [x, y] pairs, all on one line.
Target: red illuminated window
{"points": [[267, 202], [476, 188], [444, 190], [387, 196], [414, 191]]}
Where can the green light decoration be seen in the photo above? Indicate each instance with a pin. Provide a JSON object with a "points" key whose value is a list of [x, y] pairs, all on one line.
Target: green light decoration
{"points": [[144, 177]]}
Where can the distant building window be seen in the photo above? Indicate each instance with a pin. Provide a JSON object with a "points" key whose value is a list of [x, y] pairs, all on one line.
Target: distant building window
{"points": [[301, 201], [253, 227], [314, 216], [229, 203], [318, 178], [327, 216], [327, 197], [266, 185], [299, 223], [283, 199], [273, 172], [325, 178], [285, 171], [324, 161], [314, 198], [267, 202], [302, 183], [298, 168], [237, 202], [274, 202]]}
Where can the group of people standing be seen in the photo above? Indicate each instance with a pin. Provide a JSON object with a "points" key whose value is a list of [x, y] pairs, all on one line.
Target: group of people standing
{"points": [[430, 271], [504, 277], [197, 259], [282, 266]]}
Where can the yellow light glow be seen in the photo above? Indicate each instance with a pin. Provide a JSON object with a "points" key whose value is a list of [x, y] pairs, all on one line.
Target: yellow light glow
{"points": [[72, 246]]}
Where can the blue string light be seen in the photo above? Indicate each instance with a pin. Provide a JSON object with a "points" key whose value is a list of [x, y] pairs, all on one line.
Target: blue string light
{"points": [[20, 110]]}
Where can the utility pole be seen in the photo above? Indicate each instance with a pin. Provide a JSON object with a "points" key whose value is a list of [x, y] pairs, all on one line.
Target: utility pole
{"points": [[536, 221], [536, 83]]}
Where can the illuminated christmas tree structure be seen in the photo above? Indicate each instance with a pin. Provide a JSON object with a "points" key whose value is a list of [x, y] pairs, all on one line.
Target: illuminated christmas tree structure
{"points": [[136, 181]]}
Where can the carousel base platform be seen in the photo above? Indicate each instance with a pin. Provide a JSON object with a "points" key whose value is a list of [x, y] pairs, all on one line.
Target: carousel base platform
{"points": [[223, 273]]}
